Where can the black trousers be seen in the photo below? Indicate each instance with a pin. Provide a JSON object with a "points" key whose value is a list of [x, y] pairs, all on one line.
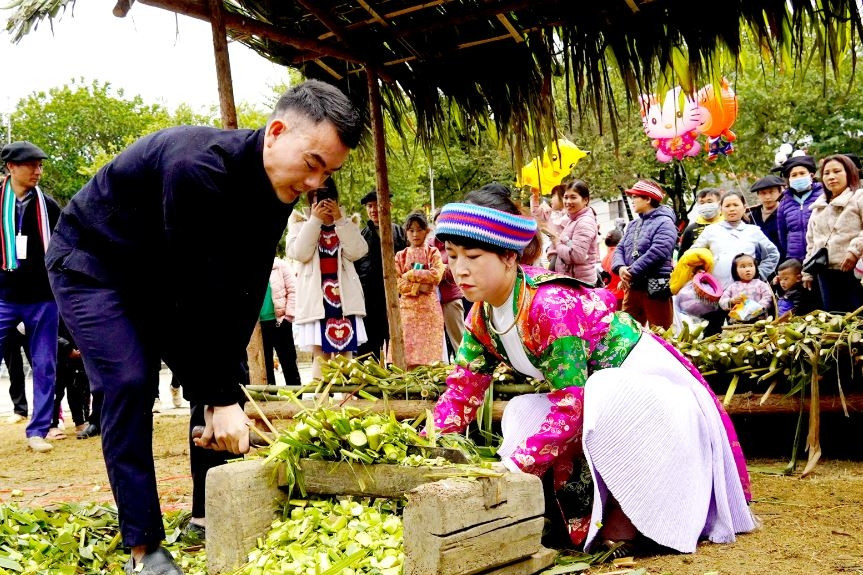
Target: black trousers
{"points": [[15, 342], [281, 339], [201, 461], [72, 379]]}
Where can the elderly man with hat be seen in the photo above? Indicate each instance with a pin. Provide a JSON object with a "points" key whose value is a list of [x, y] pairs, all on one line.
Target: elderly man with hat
{"points": [[371, 271], [643, 258], [792, 215], [769, 192], [28, 216]]}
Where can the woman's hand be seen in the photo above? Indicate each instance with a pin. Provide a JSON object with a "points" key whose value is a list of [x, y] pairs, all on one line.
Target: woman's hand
{"points": [[849, 262], [625, 274], [807, 281], [321, 210]]}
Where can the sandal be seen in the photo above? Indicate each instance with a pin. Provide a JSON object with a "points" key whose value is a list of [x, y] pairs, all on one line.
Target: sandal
{"points": [[56, 434]]}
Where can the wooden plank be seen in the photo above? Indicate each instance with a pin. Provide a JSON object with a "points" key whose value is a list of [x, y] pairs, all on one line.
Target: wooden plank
{"points": [[741, 404], [533, 564], [453, 505], [403, 408], [340, 478], [474, 550]]}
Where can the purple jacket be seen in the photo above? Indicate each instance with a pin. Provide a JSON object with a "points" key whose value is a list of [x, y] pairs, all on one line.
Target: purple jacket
{"points": [[655, 234], [792, 219]]}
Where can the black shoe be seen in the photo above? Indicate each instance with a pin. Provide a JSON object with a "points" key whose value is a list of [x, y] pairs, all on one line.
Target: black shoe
{"points": [[157, 562], [193, 534], [92, 430]]}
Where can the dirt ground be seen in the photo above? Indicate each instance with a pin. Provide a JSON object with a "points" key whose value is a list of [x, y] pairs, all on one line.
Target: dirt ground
{"points": [[811, 526]]}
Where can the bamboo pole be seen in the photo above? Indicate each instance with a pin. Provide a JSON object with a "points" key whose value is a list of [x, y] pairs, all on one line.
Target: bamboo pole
{"points": [[397, 348], [409, 409]]}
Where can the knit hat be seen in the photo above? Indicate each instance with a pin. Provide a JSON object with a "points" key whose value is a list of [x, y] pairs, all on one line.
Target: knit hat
{"points": [[646, 189], [767, 182], [486, 225]]}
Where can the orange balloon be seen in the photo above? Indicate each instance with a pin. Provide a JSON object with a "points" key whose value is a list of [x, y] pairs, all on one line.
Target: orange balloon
{"points": [[723, 111]]}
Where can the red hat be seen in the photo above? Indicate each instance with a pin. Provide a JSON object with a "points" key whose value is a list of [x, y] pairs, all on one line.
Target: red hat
{"points": [[647, 190]]}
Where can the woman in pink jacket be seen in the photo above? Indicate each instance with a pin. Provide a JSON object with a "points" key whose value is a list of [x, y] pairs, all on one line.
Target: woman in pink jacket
{"points": [[576, 246], [278, 332]]}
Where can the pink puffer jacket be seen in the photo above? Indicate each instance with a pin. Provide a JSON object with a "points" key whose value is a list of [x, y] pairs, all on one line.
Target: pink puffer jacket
{"points": [[284, 289]]}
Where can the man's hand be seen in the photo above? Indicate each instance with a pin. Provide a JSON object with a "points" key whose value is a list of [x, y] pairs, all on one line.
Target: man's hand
{"points": [[226, 429]]}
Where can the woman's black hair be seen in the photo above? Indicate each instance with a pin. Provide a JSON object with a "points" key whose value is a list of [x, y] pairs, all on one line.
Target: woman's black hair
{"points": [[580, 187], [734, 275], [417, 217]]}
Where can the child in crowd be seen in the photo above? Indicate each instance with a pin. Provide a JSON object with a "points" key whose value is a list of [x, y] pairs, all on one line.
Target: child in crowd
{"points": [[611, 280], [794, 298], [747, 298], [420, 269]]}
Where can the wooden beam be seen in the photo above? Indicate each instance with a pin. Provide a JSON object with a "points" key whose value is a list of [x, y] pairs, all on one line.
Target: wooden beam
{"points": [[223, 65], [411, 408], [510, 28], [397, 347], [333, 26], [242, 25], [389, 16]]}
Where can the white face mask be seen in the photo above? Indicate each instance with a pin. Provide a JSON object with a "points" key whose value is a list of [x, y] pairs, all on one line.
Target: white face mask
{"points": [[708, 211], [801, 183]]}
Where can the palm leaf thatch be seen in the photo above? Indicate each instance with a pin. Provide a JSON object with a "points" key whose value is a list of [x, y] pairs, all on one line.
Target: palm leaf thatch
{"points": [[491, 61]]}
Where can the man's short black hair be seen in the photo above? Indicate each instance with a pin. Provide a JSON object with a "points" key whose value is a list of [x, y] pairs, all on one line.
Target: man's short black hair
{"points": [[320, 101]]}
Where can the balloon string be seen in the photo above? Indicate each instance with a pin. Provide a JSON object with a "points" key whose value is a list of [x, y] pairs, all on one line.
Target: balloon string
{"points": [[739, 187]]}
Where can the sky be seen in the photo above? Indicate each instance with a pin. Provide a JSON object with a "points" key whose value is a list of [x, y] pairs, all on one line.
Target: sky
{"points": [[166, 58]]}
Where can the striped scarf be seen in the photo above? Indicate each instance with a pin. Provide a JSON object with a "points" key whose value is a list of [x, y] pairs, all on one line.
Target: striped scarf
{"points": [[7, 229]]}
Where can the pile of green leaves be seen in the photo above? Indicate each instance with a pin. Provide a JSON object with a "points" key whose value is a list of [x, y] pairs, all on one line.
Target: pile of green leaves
{"points": [[348, 434], [332, 536], [72, 539]]}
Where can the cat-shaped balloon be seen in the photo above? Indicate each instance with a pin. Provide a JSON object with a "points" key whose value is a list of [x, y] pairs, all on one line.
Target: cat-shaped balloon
{"points": [[672, 124]]}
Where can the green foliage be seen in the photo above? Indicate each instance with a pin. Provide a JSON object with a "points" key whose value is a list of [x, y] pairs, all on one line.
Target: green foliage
{"points": [[76, 124]]}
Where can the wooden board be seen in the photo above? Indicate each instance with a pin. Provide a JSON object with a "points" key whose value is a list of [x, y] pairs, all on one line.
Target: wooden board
{"points": [[339, 478], [471, 551], [533, 564], [744, 403]]}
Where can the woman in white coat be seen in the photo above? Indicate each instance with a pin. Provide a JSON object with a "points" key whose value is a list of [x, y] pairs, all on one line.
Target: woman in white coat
{"points": [[734, 236], [330, 307]]}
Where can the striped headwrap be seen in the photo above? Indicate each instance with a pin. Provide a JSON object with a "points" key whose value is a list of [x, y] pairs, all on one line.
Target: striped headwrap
{"points": [[486, 225]]}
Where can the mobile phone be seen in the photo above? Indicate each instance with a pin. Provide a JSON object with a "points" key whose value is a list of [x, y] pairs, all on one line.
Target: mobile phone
{"points": [[326, 194]]}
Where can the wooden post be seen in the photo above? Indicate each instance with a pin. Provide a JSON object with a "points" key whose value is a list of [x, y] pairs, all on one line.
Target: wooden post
{"points": [[255, 355], [397, 347], [223, 65]]}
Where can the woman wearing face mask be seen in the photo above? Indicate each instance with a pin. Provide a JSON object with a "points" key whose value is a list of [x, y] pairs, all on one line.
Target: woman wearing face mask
{"points": [[792, 215], [706, 211], [837, 224]]}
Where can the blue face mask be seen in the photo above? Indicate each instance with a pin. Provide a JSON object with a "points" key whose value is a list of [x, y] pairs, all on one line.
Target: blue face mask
{"points": [[801, 184]]}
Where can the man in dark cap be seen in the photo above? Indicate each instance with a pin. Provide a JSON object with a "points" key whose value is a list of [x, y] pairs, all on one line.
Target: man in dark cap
{"points": [[28, 216], [769, 191], [130, 255], [792, 215], [371, 271]]}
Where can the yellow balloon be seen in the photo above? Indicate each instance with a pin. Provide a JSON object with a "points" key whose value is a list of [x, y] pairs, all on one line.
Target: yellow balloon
{"points": [[557, 161]]}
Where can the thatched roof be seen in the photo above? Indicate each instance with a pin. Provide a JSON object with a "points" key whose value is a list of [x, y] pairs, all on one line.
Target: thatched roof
{"points": [[495, 58]]}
